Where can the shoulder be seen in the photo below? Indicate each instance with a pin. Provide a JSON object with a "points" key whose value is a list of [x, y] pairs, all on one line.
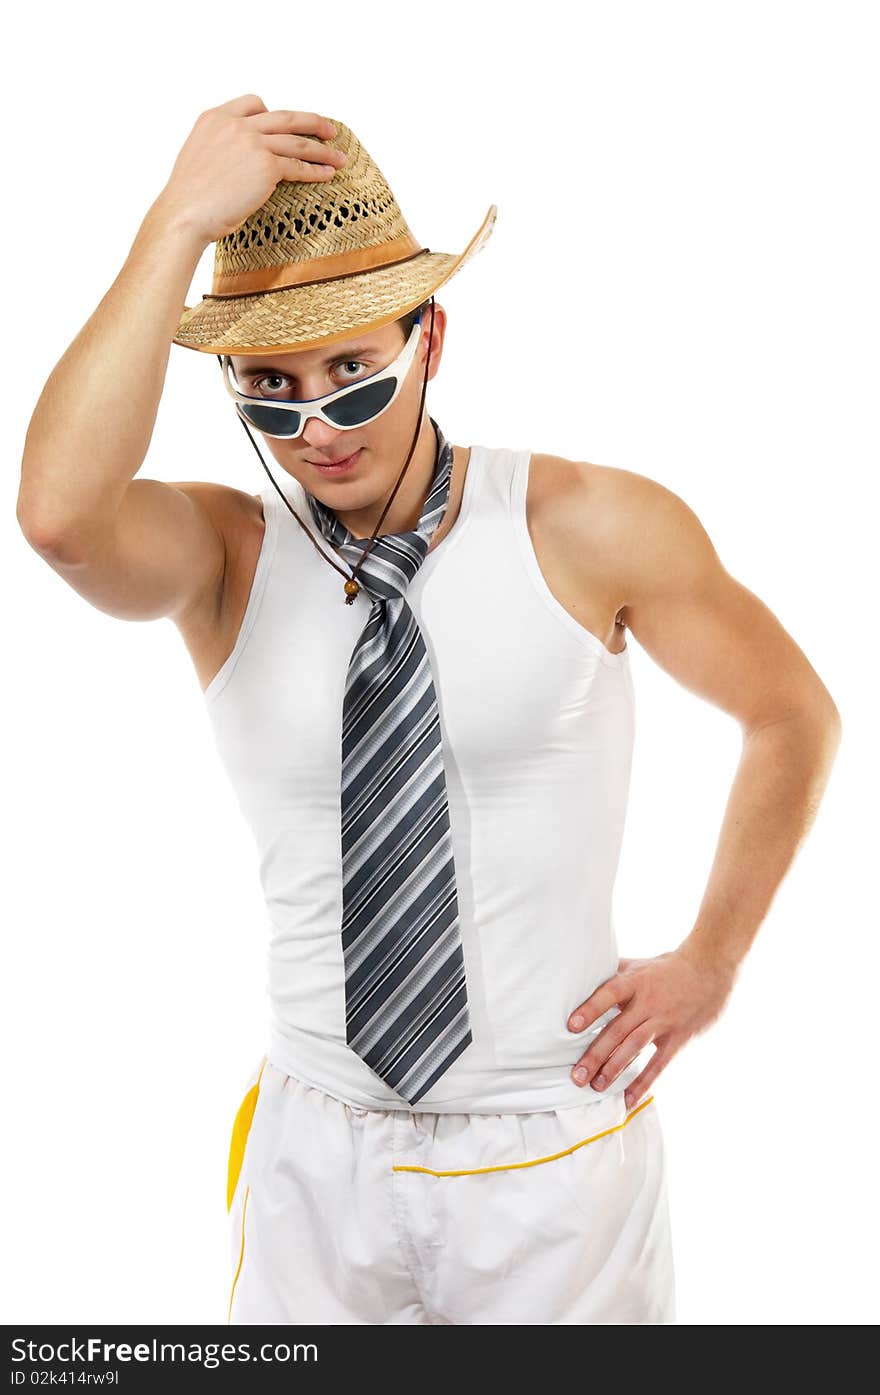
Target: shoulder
{"points": [[238, 518], [227, 506], [637, 530], [235, 514]]}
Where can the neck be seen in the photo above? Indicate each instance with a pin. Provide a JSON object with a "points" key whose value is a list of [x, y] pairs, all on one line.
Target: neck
{"points": [[406, 508]]}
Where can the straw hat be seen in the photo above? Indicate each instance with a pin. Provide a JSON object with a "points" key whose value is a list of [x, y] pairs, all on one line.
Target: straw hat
{"points": [[318, 261]]}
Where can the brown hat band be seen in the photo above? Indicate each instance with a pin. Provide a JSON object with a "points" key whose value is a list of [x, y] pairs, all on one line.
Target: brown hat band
{"points": [[279, 278]]}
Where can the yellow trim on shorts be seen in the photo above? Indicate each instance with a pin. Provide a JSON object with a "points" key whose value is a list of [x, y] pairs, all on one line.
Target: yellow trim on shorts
{"points": [[533, 1162], [247, 1192], [240, 1130]]}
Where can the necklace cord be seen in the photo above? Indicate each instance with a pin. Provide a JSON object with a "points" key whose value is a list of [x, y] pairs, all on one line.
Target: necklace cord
{"points": [[409, 454]]}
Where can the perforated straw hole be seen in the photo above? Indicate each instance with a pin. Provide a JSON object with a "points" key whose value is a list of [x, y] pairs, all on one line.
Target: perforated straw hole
{"points": [[267, 233]]}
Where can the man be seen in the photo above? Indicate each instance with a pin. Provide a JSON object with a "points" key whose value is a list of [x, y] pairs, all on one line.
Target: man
{"points": [[452, 1122]]}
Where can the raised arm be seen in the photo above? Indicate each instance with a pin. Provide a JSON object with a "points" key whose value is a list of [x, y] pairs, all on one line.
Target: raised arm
{"points": [[141, 548]]}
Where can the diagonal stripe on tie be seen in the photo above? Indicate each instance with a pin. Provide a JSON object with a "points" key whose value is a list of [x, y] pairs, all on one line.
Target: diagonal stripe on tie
{"points": [[405, 991]]}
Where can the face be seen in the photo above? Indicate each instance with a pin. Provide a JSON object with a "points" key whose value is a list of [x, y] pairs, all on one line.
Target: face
{"points": [[381, 444]]}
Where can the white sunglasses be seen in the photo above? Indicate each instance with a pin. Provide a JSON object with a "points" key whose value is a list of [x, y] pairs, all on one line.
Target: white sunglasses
{"points": [[346, 408]]}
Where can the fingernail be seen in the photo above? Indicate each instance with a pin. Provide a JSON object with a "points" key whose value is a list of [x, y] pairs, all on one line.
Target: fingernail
{"points": [[580, 1075], [576, 1023], [599, 1082]]}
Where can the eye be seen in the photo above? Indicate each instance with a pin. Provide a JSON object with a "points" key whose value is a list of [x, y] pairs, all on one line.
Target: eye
{"points": [[272, 380]]}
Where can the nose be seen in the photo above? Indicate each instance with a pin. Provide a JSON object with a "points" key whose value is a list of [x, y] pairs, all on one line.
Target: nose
{"points": [[319, 433]]}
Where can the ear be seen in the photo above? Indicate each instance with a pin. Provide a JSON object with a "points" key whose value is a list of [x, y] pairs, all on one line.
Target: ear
{"points": [[436, 340]]}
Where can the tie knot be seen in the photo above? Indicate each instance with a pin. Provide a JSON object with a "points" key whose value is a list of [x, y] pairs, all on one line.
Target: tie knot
{"points": [[390, 564]]}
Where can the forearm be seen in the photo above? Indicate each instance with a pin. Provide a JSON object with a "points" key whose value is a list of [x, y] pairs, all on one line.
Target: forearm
{"points": [[91, 427], [776, 792]]}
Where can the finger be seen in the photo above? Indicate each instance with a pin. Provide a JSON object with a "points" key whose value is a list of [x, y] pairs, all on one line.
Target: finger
{"points": [[305, 150], [623, 1056], [642, 1083], [603, 1047], [615, 990], [299, 171], [291, 123]]}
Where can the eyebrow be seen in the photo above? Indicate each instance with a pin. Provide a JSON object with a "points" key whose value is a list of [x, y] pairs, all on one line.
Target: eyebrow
{"points": [[359, 350]]}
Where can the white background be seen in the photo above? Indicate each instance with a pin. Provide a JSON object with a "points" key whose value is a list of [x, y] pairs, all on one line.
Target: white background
{"points": [[683, 281]]}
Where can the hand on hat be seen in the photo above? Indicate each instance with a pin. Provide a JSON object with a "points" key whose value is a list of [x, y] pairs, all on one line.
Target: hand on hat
{"points": [[235, 155]]}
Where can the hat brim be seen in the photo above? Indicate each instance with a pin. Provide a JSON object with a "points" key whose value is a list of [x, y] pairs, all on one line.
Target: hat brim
{"points": [[303, 317]]}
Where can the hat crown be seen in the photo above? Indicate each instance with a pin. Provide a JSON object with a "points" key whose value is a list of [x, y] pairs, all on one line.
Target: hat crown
{"points": [[307, 219]]}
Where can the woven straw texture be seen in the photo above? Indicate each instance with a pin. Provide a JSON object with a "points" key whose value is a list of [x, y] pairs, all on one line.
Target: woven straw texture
{"points": [[303, 220]]}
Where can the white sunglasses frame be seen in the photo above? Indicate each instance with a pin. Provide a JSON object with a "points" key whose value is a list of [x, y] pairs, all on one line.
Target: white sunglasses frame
{"points": [[314, 406]]}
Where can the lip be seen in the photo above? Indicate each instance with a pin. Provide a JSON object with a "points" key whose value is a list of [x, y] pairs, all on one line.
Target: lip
{"points": [[338, 467]]}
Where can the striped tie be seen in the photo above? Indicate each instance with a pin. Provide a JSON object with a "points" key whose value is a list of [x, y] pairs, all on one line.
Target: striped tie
{"points": [[406, 1008]]}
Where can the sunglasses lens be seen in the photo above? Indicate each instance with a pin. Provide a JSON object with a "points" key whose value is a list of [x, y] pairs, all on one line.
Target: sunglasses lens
{"points": [[362, 405], [270, 419]]}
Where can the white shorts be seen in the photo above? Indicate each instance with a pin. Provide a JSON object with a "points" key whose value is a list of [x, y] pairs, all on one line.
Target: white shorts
{"points": [[347, 1215]]}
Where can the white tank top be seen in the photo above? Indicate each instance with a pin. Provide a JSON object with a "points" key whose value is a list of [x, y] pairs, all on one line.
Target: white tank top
{"points": [[537, 724]]}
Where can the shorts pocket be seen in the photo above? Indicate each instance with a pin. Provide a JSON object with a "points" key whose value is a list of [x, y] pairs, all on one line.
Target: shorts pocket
{"points": [[603, 1167]]}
